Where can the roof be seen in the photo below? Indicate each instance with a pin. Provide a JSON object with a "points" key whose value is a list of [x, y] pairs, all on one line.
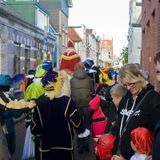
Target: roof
{"points": [[73, 35], [42, 8], [107, 43]]}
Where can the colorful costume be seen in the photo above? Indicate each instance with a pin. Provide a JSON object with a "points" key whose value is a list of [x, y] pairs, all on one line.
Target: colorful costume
{"points": [[92, 71], [6, 120], [107, 75], [69, 58], [104, 76], [54, 120], [35, 89]]}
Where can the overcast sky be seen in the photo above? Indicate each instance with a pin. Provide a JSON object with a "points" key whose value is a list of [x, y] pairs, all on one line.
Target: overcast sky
{"points": [[109, 17]]}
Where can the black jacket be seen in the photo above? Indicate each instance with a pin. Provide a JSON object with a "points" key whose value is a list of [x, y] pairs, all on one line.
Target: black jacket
{"points": [[110, 112], [146, 116], [156, 143], [54, 122]]}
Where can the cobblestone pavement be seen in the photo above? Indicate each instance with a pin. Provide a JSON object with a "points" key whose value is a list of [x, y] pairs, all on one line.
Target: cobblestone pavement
{"points": [[86, 155]]}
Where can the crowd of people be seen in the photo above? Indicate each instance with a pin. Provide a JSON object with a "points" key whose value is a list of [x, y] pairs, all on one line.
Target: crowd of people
{"points": [[119, 111]]}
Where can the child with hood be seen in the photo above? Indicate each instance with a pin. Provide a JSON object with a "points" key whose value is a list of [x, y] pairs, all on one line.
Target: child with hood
{"points": [[141, 143]]}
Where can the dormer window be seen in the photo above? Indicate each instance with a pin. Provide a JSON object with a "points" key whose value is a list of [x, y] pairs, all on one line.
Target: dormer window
{"points": [[42, 19]]}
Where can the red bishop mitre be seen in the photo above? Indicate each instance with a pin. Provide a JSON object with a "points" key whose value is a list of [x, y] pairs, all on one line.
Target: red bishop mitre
{"points": [[69, 58]]}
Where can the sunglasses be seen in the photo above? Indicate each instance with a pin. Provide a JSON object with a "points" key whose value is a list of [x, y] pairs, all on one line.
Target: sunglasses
{"points": [[126, 85]]}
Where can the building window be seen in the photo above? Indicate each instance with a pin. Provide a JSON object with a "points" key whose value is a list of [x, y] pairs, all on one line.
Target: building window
{"points": [[42, 19], [145, 12], [153, 13], [143, 31], [148, 23], [17, 63], [27, 59], [109, 54], [64, 36]]}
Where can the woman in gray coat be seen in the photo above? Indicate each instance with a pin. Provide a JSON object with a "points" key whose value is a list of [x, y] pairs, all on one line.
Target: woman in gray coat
{"points": [[81, 92]]}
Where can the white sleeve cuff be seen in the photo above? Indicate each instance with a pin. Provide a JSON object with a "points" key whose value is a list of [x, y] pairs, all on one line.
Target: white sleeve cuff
{"points": [[86, 133]]}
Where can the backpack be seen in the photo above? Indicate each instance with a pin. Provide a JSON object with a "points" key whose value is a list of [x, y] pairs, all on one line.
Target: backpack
{"points": [[99, 120], [104, 91]]}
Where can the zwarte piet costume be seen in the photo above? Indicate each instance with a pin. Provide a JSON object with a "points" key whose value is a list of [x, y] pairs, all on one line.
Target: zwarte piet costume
{"points": [[54, 120]]}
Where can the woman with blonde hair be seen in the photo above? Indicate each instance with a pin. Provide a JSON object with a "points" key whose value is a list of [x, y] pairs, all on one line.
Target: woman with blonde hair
{"points": [[138, 108]]}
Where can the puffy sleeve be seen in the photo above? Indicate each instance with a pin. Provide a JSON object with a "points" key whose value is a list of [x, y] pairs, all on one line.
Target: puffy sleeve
{"points": [[36, 123], [73, 117]]}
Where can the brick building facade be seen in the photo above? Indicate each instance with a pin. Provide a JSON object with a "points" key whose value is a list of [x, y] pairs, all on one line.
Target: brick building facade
{"points": [[150, 36]]}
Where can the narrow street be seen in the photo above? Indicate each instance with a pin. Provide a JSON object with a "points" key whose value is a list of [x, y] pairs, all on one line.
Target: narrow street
{"points": [[90, 48]]}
